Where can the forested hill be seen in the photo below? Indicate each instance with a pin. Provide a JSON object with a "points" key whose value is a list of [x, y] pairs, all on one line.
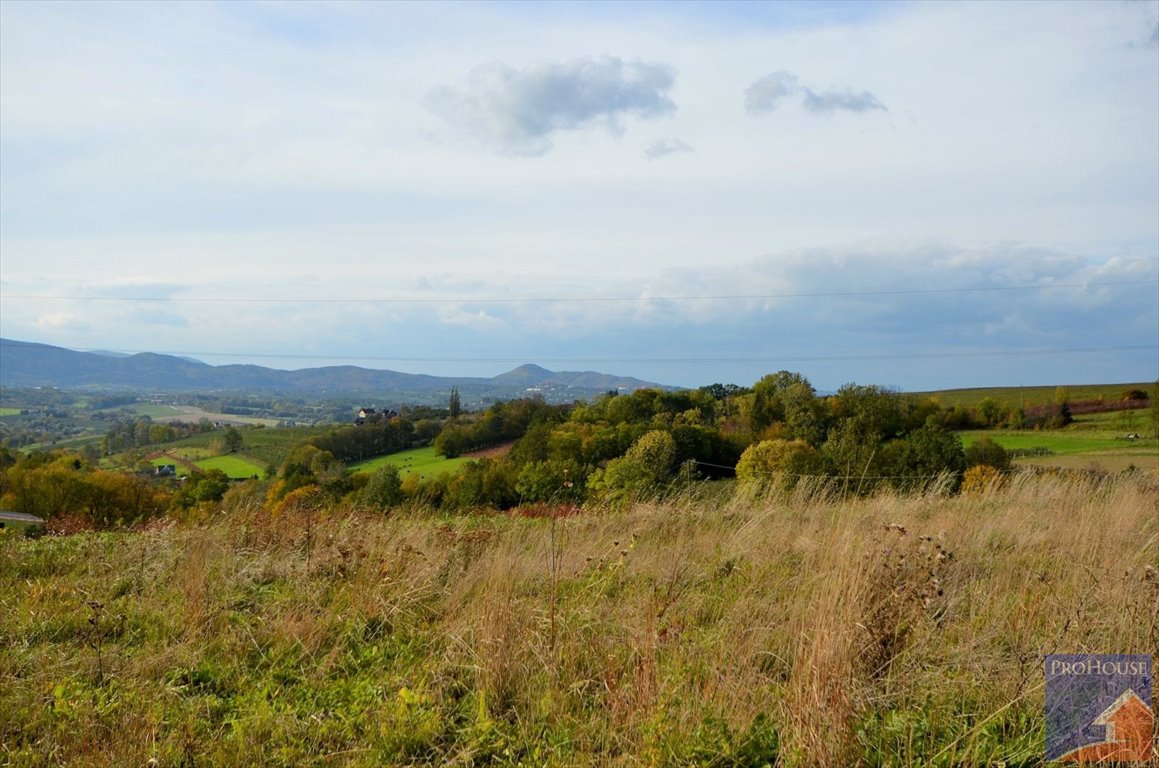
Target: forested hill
{"points": [[25, 364]]}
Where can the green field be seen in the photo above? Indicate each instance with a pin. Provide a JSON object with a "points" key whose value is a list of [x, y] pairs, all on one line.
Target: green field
{"points": [[424, 461], [9, 412], [236, 467], [269, 445], [155, 411], [1096, 442], [1060, 442], [1024, 396]]}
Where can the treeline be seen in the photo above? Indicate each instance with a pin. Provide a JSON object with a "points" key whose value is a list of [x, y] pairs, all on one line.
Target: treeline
{"points": [[127, 434], [771, 437], [69, 490], [627, 447]]}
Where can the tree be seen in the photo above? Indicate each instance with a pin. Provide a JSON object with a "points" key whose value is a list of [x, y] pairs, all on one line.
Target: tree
{"points": [[454, 406], [915, 460], [384, 489], [986, 452], [778, 464], [990, 412], [641, 472], [232, 440], [768, 397], [553, 480]]}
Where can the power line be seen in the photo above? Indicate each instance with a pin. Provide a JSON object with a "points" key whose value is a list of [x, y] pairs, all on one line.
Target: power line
{"points": [[673, 360], [567, 299]]}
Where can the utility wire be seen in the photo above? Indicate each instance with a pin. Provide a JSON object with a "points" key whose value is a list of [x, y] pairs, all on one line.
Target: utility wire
{"points": [[566, 299], [673, 360]]}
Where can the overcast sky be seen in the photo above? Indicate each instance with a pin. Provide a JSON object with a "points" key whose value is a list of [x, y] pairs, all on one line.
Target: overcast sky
{"points": [[919, 195]]}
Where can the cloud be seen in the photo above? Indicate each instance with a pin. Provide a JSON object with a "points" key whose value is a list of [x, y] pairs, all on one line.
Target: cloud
{"points": [[149, 316], [61, 321], [665, 147], [479, 321], [766, 93], [826, 102], [517, 111], [1154, 41]]}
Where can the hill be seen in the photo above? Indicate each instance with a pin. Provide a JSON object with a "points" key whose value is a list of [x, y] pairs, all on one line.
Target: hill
{"points": [[26, 364]]}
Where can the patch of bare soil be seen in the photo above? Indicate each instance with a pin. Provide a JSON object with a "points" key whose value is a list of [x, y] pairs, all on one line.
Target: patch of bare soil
{"points": [[492, 452]]}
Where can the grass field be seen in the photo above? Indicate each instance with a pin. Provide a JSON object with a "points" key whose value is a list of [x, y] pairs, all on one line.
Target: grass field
{"points": [[193, 414], [233, 466], [423, 461], [1025, 396], [1095, 441], [264, 446], [9, 412], [157, 412], [801, 632]]}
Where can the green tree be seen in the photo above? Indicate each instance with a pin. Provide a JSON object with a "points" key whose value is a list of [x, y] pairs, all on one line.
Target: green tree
{"points": [[990, 412], [451, 442], [454, 407], [642, 472], [383, 489], [777, 464], [202, 487], [986, 452], [768, 397], [559, 480], [232, 439], [915, 460]]}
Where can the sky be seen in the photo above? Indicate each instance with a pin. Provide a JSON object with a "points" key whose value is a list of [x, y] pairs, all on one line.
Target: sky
{"points": [[918, 195]]}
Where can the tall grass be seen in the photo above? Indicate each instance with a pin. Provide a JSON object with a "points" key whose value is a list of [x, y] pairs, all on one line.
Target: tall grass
{"points": [[800, 630]]}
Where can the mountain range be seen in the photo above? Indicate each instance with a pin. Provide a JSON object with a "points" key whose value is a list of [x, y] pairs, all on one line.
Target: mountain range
{"points": [[29, 364]]}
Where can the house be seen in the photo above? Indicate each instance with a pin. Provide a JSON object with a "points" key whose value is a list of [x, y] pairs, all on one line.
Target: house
{"points": [[369, 414]]}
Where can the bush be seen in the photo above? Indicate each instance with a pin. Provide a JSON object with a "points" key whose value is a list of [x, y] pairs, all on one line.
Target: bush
{"points": [[986, 451], [777, 464], [981, 478], [383, 489]]}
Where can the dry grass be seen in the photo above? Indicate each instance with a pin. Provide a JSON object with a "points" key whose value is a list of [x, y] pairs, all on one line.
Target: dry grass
{"points": [[896, 631]]}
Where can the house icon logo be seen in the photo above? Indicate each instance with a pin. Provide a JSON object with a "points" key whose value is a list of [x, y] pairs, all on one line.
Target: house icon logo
{"points": [[1099, 709]]}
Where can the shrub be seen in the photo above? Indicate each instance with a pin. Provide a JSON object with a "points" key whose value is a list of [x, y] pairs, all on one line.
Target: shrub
{"points": [[777, 464], [981, 478], [383, 489], [986, 451]]}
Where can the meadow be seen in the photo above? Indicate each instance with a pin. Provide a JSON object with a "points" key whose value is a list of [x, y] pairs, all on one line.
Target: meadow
{"points": [[262, 445], [234, 466], [806, 630], [1025, 396], [1094, 441], [422, 461]]}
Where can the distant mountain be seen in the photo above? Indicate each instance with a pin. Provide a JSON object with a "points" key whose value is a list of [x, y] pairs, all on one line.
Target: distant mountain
{"points": [[27, 364]]}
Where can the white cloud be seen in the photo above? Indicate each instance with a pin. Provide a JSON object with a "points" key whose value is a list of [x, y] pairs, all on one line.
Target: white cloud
{"points": [[61, 321], [214, 154], [825, 102], [766, 93], [664, 147], [517, 111]]}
